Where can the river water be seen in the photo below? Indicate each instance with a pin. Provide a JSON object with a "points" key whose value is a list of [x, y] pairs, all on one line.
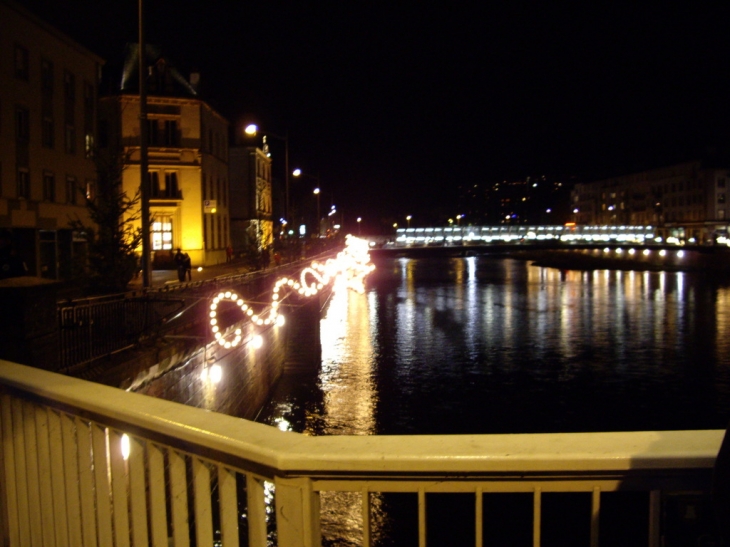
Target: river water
{"points": [[494, 345]]}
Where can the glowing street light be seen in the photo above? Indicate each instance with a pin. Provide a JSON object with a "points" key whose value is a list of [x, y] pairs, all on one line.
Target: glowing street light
{"points": [[408, 218], [316, 193], [359, 220]]}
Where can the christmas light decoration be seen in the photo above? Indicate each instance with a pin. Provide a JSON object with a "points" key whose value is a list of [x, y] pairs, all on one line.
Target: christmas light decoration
{"points": [[348, 269]]}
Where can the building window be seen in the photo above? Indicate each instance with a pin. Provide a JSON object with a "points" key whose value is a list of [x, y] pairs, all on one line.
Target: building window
{"points": [[69, 97], [171, 184], [172, 137], [153, 177], [22, 71], [22, 124], [90, 190], [47, 76], [153, 133], [721, 198], [162, 233], [69, 93], [71, 190], [49, 187], [47, 127], [89, 102], [721, 182], [70, 139], [23, 183]]}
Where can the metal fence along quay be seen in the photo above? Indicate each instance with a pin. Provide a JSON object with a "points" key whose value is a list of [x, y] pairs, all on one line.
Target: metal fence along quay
{"points": [[85, 464]]}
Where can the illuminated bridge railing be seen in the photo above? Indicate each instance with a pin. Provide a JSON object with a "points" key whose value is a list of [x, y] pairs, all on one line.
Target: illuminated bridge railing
{"points": [[513, 234], [85, 465]]}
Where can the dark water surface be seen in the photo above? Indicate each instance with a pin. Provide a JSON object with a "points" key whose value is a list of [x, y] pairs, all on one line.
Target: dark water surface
{"points": [[489, 345], [484, 345]]}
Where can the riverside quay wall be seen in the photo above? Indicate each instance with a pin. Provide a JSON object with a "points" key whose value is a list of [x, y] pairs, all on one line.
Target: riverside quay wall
{"points": [[188, 366]]}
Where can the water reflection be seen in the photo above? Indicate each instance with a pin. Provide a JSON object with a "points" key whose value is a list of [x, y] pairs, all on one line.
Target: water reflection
{"points": [[486, 345]]}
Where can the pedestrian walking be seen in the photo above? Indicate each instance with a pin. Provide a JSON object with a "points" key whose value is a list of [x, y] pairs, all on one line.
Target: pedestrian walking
{"points": [[188, 267], [180, 265], [229, 253]]}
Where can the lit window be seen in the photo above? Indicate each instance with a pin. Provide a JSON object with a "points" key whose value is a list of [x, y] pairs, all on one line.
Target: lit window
{"points": [[162, 233]]}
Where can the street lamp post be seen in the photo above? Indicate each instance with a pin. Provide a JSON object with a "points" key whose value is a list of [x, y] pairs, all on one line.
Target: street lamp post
{"points": [[316, 193], [144, 185], [359, 220], [251, 130], [408, 218]]}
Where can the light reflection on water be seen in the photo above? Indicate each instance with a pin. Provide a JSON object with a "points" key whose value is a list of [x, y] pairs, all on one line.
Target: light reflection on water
{"points": [[484, 345]]}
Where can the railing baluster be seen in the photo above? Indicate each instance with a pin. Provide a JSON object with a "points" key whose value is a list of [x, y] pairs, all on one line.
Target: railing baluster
{"points": [[71, 474], [9, 486], [86, 483], [44, 476], [158, 511], [595, 515], [138, 492], [479, 506], [102, 485], [179, 499], [203, 511], [365, 516], [536, 517], [655, 514], [256, 510], [33, 484], [21, 467], [421, 517], [228, 506], [120, 503], [58, 484]]}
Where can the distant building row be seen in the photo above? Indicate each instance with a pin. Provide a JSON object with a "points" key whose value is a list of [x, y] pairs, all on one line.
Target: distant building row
{"points": [[205, 196], [688, 200]]}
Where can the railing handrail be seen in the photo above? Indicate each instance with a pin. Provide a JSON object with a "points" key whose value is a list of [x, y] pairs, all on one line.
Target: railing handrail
{"points": [[243, 443]]}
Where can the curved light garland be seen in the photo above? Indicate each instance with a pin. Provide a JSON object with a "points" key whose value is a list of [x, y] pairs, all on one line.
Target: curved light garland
{"points": [[348, 269]]}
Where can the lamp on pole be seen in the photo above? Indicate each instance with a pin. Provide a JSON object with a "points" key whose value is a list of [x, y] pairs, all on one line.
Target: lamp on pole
{"points": [[252, 130], [143, 157], [316, 193], [359, 220], [408, 218]]}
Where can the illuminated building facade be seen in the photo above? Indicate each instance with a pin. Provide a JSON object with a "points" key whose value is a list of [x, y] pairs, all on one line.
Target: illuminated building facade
{"points": [[188, 159], [687, 200], [251, 209], [48, 115]]}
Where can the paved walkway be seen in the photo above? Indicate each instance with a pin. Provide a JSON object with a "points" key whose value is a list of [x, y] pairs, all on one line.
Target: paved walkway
{"points": [[161, 278]]}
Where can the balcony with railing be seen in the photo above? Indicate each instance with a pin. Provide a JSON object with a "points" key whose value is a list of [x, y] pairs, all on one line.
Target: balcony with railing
{"points": [[86, 464]]}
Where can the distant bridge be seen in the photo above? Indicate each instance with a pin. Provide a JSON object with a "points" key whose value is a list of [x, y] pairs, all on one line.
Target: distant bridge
{"points": [[629, 241]]}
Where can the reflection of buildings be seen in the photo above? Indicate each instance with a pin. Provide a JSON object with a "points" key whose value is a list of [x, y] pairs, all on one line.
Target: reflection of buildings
{"points": [[47, 129], [188, 158], [251, 199], [685, 200]]}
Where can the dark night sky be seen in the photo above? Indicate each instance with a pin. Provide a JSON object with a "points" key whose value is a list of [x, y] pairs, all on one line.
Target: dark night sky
{"points": [[396, 104]]}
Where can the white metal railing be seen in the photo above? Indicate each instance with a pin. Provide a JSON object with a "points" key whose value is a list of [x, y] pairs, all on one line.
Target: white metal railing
{"points": [[68, 477]]}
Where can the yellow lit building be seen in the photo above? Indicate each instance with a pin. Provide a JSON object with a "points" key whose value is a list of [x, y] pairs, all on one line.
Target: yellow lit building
{"points": [[48, 114], [252, 226], [188, 160]]}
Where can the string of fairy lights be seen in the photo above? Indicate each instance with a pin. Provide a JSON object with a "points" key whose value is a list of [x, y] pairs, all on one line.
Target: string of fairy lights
{"points": [[348, 269]]}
